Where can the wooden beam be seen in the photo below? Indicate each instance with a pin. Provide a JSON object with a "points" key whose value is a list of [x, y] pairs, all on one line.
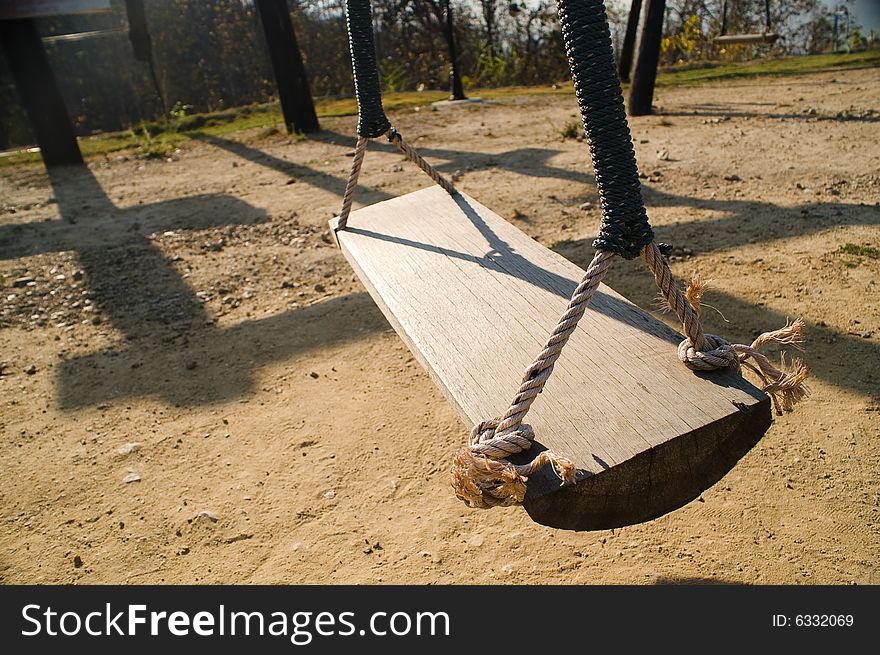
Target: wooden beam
{"points": [[641, 91], [736, 39], [624, 65], [14, 9], [475, 300], [290, 73], [39, 92]]}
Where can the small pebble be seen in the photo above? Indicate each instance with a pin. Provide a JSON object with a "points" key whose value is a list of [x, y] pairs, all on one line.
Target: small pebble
{"points": [[30, 370], [131, 477], [211, 516], [330, 494], [435, 558], [128, 449]]}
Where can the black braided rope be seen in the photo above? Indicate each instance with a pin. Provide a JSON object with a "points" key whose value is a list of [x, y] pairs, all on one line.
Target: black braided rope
{"points": [[372, 121], [625, 229]]}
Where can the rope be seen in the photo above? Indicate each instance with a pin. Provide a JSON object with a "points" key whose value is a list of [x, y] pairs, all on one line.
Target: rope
{"points": [[625, 229], [481, 475], [360, 149], [708, 352], [372, 121], [395, 138]]}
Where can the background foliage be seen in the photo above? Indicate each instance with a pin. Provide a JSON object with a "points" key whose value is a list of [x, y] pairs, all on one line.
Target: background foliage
{"points": [[211, 55]]}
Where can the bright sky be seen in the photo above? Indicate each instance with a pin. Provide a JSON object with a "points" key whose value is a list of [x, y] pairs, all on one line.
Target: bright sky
{"points": [[864, 12]]}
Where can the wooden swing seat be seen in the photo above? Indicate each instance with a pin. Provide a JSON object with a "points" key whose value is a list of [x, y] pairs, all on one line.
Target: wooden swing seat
{"points": [[742, 39], [474, 299]]}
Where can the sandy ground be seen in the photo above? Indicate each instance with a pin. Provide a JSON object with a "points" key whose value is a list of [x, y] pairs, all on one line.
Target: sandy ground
{"points": [[189, 382]]}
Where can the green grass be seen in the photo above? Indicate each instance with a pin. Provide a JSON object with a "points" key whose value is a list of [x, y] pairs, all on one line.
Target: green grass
{"points": [[804, 65], [571, 130], [157, 139], [860, 251]]}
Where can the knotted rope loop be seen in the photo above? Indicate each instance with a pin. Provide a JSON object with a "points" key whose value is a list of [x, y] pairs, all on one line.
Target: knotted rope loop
{"points": [[708, 352], [717, 353], [483, 478], [486, 440]]}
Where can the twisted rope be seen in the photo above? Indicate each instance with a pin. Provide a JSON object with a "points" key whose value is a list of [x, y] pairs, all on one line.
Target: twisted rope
{"points": [[372, 121], [481, 475], [708, 352], [395, 137], [360, 150]]}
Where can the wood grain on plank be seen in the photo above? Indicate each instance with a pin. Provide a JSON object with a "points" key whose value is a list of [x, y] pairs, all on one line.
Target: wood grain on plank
{"points": [[475, 299]]}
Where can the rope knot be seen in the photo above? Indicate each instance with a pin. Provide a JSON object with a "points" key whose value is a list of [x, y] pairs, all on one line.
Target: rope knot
{"points": [[716, 353], [483, 478], [785, 385]]}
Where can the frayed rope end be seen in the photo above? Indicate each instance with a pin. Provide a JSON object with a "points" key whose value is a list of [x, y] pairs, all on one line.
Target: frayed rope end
{"points": [[483, 482], [785, 385], [695, 290]]}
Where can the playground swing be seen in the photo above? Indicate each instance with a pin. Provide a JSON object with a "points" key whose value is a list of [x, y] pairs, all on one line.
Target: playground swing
{"points": [[767, 36], [621, 437]]}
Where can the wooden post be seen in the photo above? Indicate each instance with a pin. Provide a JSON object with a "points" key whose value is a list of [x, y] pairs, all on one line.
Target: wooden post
{"points": [[290, 73], [142, 44], [624, 66], [641, 91], [723, 17], [454, 75], [39, 92]]}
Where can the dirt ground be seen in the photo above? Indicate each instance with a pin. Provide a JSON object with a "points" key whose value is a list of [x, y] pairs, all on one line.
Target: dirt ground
{"points": [[189, 379]]}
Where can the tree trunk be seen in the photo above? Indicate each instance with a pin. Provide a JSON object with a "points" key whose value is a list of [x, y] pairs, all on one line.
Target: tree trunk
{"points": [[641, 91], [624, 66], [287, 64]]}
